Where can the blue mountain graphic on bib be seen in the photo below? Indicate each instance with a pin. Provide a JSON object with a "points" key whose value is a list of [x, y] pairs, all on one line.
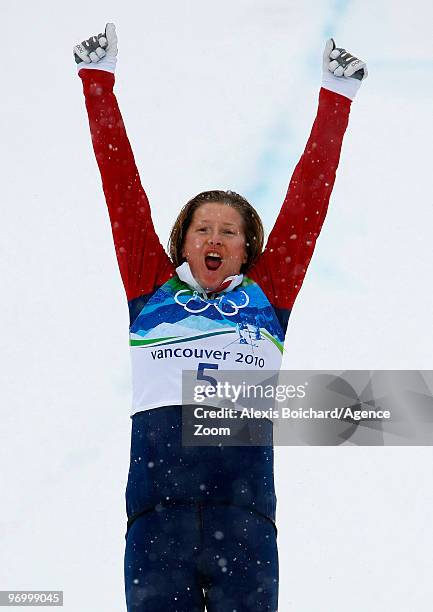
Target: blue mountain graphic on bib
{"points": [[176, 309]]}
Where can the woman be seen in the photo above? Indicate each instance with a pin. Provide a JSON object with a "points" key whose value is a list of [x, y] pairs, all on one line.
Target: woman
{"points": [[201, 520]]}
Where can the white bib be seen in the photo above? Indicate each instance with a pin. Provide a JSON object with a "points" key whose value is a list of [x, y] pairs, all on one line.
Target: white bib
{"points": [[180, 329]]}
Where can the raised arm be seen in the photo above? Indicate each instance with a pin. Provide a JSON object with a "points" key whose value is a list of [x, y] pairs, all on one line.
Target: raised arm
{"points": [[281, 268], [142, 260]]}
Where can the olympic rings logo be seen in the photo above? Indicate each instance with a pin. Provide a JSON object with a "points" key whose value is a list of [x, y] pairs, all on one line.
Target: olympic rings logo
{"points": [[195, 303]]}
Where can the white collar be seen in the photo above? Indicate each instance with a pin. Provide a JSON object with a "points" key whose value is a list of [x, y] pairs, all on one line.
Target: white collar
{"points": [[185, 275]]}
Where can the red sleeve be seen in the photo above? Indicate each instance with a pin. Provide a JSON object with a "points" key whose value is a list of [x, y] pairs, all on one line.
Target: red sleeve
{"points": [[143, 263], [281, 268]]}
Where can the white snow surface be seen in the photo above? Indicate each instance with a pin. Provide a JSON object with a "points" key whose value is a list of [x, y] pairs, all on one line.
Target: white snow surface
{"points": [[214, 95]]}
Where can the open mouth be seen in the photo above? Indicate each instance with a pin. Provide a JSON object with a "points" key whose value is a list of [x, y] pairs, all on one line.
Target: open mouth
{"points": [[213, 261]]}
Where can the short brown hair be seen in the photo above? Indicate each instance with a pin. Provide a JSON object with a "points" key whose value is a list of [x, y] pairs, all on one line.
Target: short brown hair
{"points": [[253, 226]]}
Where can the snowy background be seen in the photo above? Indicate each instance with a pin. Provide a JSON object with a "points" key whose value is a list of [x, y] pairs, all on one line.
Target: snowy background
{"points": [[214, 95]]}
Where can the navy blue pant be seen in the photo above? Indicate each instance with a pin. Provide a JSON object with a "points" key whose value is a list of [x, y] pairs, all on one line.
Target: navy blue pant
{"points": [[183, 557]]}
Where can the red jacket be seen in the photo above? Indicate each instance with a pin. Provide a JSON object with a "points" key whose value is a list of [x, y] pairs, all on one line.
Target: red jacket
{"points": [[144, 264]]}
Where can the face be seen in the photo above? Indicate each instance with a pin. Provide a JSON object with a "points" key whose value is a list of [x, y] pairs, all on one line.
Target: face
{"points": [[214, 244]]}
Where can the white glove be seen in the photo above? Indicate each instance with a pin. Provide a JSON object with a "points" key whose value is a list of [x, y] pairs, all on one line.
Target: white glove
{"points": [[98, 52], [342, 71]]}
